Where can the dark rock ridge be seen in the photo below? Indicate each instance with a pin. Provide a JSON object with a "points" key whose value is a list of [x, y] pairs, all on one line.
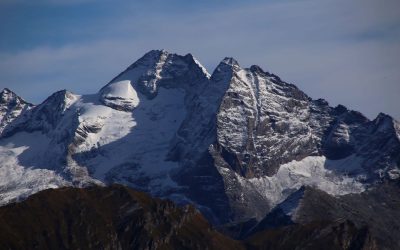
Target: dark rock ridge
{"points": [[341, 234], [117, 217], [112, 217], [372, 213]]}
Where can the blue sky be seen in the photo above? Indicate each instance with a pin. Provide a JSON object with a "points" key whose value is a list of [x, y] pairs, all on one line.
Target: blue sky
{"points": [[345, 51]]}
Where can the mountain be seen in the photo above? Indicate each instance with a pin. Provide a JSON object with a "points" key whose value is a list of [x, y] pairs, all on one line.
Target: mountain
{"points": [[235, 143]]}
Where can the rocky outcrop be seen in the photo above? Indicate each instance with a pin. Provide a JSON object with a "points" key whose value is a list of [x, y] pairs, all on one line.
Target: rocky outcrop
{"points": [[11, 107]]}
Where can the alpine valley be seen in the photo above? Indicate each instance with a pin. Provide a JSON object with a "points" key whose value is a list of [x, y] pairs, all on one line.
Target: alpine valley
{"points": [[263, 162]]}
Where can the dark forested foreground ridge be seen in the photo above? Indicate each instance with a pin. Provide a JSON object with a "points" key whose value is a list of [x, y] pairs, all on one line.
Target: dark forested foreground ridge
{"points": [[118, 217], [114, 217]]}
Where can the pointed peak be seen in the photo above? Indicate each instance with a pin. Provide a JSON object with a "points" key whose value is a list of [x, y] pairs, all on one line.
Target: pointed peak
{"points": [[340, 109], [225, 69], [159, 68], [154, 60], [384, 122], [257, 69], [61, 96], [322, 101], [62, 92], [6, 90], [156, 52], [8, 96], [383, 118], [349, 116], [230, 61], [197, 62], [150, 58]]}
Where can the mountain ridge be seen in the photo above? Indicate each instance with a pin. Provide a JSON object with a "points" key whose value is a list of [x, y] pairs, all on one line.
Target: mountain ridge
{"points": [[223, 142], [118, 217], [113, 217]]}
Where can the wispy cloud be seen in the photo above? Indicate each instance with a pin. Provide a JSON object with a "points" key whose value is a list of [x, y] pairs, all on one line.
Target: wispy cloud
{"points": [[346, 52], [41, 2]]}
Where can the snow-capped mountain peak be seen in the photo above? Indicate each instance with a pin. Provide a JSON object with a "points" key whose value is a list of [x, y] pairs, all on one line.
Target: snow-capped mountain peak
{"points": [[230, 61], [224, 71], [157, 68], [235, 144], [7, 96], [11, 107]]}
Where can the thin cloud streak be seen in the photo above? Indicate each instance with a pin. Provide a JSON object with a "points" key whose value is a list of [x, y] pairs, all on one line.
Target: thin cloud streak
{"points": [[45, 2]]}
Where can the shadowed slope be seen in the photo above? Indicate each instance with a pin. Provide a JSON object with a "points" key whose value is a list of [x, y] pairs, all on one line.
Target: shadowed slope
{"points": [[112, 217]]}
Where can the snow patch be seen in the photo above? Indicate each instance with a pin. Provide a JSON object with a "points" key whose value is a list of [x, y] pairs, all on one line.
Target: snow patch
{"points": [[18, 181], [137, 142], [201, 67], [120, 95], [310, 171]]}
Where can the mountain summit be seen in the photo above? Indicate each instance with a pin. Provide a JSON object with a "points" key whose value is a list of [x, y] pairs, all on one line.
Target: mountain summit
{"points": [[235, 144]]}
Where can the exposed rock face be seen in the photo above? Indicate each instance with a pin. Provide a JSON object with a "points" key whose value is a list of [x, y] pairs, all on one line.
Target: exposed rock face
{"points": [[262, 122], [235, 144], [11, 106]]}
